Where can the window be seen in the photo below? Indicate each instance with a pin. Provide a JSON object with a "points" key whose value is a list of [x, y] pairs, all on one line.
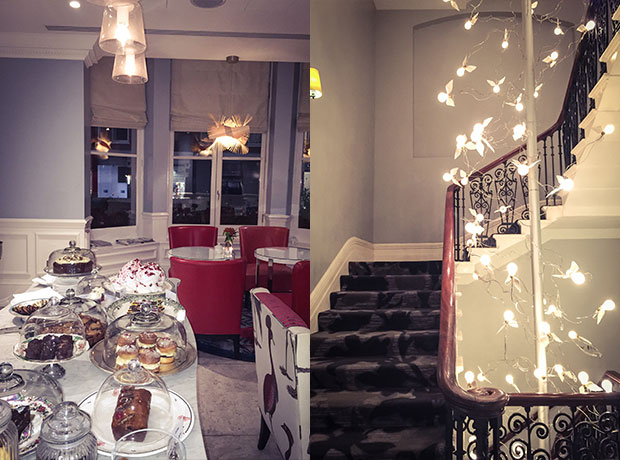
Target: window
{"points": [[113, 177], [219, 189], [304, 197]]}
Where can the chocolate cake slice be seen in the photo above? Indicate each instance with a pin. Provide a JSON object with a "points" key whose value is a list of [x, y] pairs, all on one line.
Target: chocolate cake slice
{"points": [[48, 350], [33, 350], [21, 418], [64, 349], [131, 412]]}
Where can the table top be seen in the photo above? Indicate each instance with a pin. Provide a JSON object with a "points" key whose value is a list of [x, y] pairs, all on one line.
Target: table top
{"points": [[83, 378], [282, 255], [198, 253]]}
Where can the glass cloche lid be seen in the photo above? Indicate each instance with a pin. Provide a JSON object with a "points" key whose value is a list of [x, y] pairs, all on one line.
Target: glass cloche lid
{"points": [[25, 384], [67, 424], [90, 312], [158, 340], [52, 333], [95, 287], [132, 398], [71, 261]]}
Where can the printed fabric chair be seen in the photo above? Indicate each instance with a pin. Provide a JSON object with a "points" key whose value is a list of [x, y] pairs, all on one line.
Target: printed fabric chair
{"points": [[254, 237], [282, 349], [192, 235], [299, 297], [212, 294]]}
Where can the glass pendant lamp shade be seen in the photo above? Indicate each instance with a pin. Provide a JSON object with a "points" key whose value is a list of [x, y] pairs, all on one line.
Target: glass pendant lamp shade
{"points": [[122, 29], [315, 84], [130, 69]]}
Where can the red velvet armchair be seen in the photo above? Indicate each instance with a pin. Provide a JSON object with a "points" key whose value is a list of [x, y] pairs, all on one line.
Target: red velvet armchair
{"points": [[299, 298], [212, 294], [251, 238], [192, 235]]}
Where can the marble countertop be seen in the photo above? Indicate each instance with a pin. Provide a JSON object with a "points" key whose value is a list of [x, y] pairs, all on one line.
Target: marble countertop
{"points": [[83, 378]]}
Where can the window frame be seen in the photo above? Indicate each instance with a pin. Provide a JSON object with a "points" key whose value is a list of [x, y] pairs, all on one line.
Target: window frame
{"points": [[129, 231], [301, 235]]}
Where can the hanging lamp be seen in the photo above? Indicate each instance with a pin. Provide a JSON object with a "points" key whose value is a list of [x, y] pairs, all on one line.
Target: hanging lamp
{"points": [[130, 68], [315, 84], [122, 28]]}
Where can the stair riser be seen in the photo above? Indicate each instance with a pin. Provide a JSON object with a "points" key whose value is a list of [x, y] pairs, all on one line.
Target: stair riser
{"points": [[389, 344], [368, 321], [397, 376], [390, 282], [394, 268], [401, 299]]}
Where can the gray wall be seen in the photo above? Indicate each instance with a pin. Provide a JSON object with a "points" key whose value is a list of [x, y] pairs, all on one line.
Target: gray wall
{"points": [[415, 134], [42, 139], [342, 126]]}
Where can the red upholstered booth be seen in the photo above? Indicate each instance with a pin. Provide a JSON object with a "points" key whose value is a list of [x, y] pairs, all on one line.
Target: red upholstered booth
{"points": [[251, 238], [192, 235], [212, 294], [299, 298]]}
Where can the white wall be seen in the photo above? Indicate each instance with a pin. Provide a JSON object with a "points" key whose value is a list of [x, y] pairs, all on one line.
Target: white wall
{"points": [[342, 123]]}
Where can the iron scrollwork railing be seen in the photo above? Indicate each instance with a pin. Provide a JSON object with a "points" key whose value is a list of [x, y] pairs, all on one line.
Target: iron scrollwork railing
{"points": [[498, 185]]}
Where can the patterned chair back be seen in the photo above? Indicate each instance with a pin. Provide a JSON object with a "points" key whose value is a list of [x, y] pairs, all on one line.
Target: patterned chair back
{"points": [[282, 349]]}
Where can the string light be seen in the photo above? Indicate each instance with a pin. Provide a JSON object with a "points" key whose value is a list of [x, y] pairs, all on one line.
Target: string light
{"points": [[523, 168], [519, 131], [564, 183], [510, 380], [485, 260], [540, 374], [536, 90], [551, 59], [606, 306], [447, 177], [572, 335], [445, 97], [496, 86], [558, 30], [505, 43], [471, 21], [465, 68], [469, 377], [512, 269], [583, 377], [607, 386], [608, 129]]}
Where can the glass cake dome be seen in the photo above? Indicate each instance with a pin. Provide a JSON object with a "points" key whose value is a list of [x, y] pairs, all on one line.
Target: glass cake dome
{"points": [[156, 339], [28, 385], [90, 312], [71, 261], [132, 398], [95, 287]]}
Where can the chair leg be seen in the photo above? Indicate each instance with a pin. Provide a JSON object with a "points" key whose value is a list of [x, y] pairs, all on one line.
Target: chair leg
{"points": [[263, 437], [236, 346]]}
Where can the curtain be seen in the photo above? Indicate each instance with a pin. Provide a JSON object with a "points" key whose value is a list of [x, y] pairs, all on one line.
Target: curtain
{"points": [[203, 88], [114, 105], [303, 104]]}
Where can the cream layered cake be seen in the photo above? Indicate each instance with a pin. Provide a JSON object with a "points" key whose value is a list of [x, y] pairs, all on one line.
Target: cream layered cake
{"points": [[138, 278]]}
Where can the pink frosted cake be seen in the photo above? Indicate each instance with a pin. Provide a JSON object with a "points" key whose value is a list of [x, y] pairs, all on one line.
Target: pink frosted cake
{"points": [[138, 278]]}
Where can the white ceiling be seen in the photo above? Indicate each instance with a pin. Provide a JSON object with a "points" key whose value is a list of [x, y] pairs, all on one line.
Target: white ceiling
{"points": [[255, 30]]}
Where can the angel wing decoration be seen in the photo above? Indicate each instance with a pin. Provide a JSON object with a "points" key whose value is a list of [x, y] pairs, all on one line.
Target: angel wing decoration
{"points": [[574, 268]]}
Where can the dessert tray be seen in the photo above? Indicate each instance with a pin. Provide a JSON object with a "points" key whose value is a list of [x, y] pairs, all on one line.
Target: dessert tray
{"points": [[131, 304], [80, 345], [27, 307], [40, 408], [183, 416], [184, 359]]}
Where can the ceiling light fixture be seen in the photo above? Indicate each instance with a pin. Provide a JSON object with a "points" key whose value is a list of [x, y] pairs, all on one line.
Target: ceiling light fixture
{"points": [[130, 69], [231, 133], [122, 29], [315, 83], [207, 3], [74, 4]]}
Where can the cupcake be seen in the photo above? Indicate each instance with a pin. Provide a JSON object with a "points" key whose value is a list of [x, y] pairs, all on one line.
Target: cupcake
{"points": [[167, 348], [149, 358], [147, 340], [126, 338], [124, 354]]}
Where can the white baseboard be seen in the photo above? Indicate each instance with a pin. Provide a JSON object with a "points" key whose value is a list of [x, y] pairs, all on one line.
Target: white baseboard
{"points": [[27, 243], [358, 250]]}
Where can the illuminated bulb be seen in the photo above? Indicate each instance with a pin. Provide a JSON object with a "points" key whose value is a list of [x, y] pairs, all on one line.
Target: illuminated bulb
{"points": [[478, 128], [470, 227], [442, 97], [558, 369], [519, 106], [504, 44], [496, 89], [590, 25], [469, 377], [479, 218], [460, 71], [509, 316], [485, 260], [558, 30], [503, 209], [608, 305], [480, 377], [545, 328], [535, 94], [539, 374], [464, 181], [468, 24], [552, 309], [475, 276], [554, 55], [609, 129], [74, 4], [578, 278], [461, 140], [607, 385], [583, 377], [512, 269], [572, 335], [510, 380], [567, 185], [523, 170], [614, 56], [518, 131], [447, 177]]}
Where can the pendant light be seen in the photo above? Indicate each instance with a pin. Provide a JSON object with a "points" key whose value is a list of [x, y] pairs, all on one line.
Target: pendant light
{"points": [[122, 29], [130, 68], [315, 84]]}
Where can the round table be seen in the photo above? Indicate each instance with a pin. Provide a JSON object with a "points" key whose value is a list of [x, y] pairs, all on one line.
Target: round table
{"points": [[198, 253], [280, 255]]}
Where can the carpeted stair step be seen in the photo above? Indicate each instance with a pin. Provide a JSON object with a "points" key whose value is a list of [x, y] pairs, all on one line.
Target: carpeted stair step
{"points": [[377, 444], [395, 268], [375, 409], [385, 299], [383, 343], [374, 373], [393, 319], [390, 282]]}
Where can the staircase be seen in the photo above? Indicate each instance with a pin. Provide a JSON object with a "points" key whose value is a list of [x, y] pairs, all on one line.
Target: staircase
{"points": [[374, 393]]}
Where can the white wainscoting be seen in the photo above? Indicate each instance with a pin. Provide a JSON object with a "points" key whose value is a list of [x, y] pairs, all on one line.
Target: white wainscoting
{"points": [[155, 225], [27, 243], [358, 250], [277, 220]]}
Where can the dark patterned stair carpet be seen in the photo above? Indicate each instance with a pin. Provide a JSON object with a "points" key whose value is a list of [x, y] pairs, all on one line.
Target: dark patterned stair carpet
{"points": [[373, 374]]}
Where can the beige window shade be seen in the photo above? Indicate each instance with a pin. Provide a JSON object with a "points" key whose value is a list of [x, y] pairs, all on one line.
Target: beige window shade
{"points": [[303, 104], [201, 88], [114, 105]]}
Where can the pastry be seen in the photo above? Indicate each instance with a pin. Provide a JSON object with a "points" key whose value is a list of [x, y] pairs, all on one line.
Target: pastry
{"points": [[48, 350], [124, 354], [50, 347], [72, 264], [21, 418], [149, 358], [29, 308], [94, 329], [138, 278], [33, 350], [167, 348], [147, 340], [126, 338], [64, 347], [131, 412]]}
